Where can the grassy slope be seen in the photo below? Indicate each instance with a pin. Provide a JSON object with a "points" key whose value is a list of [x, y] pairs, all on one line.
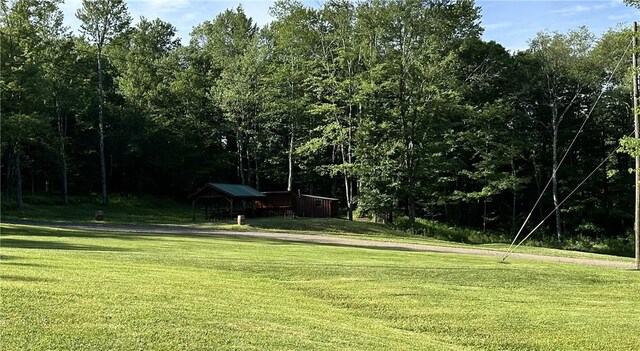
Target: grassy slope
{"points": [[148, 210], [121, 209], [76, 290]]}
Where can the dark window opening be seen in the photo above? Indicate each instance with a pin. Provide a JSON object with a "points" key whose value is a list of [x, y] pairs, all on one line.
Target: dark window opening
{"points": [[318, 203]]}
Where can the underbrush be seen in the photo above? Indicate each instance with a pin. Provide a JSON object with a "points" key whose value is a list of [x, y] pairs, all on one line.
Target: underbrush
{"points": [[618, 246], [442, 231]]}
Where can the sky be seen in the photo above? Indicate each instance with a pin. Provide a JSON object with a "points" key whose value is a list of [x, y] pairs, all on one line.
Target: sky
{"points": [[511, 23]]}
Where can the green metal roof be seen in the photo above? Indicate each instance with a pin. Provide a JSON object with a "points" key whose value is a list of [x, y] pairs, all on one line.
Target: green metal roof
{"points": [[237, 190]]}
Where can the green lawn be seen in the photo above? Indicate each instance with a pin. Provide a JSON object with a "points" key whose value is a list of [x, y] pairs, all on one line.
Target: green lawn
{"points": [[75, 290]]}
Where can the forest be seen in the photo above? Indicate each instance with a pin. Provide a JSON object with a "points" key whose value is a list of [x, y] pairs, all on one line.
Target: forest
{"points": [[397, 107]]}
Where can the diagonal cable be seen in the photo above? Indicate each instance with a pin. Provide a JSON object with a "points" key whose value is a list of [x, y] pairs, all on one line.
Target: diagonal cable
{"points": [[564, 156], [509, 252]]}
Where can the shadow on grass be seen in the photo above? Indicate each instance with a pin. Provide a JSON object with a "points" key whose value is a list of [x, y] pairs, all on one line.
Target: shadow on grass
{"points": [[20, 264], [320, 225], [361, 244], [90, 232], [41, 232], [52, 245], [127, 232], [123, 232], [9, 257], [19, 278]]}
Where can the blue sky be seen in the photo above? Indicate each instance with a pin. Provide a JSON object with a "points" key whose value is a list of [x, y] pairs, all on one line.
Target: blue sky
{"points": [[511, 23], [514, 23]]}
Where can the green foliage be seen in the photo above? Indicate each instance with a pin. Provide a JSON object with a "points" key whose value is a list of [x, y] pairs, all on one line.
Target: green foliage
{"points": [[446, 232], [399, 108], [103, 20], [630, 146]]}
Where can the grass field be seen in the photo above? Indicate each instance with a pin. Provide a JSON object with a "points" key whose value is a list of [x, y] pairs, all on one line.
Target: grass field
{"points": [[76, 290]]}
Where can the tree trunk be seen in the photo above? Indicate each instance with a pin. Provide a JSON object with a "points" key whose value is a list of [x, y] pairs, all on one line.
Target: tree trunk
{"points": [[257, 173], [249, 173], [347, 190], [6, 193], [239, 151], [18, 179], [63, 157], [33, 178], [554, 175], [290, 178], [103, 167], [515, 198], [241, 164], [411, 206], [484, 214]]}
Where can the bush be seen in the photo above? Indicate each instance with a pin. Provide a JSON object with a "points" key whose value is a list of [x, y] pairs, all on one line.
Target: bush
{"points": [[621, 246], [443, 231], [589, 229]]}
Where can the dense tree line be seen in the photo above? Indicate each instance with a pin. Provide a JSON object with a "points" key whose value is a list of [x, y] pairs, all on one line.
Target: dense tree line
{"points": [[398, 107]]}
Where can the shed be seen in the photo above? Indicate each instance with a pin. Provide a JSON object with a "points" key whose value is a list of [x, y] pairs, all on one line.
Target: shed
{"points": [[224, 200], [316, 206], [275, 203]]}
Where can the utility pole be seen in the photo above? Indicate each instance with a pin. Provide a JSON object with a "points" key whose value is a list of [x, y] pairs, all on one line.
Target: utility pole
{"points": [[636, 119]]}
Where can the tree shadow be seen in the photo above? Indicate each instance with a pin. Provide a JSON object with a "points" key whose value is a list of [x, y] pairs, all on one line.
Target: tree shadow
{"points": [[321, 225], [19, 278], [52, 245], [20, 264], [360, 245], [8, 257], [72, 233]]}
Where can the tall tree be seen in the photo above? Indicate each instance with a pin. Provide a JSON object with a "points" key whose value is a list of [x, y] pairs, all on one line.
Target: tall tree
{"points": [[102, 21], [291, 39], [413, 93], [488, 146], [334, 84], [62, 74], [563, 61], [231, 43], [28, 28]]}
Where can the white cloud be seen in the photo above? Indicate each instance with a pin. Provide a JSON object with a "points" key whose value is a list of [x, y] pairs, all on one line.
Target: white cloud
{"points": [[189, 16], [498, 25], [165, 6], [619, 17], [570, 11]]}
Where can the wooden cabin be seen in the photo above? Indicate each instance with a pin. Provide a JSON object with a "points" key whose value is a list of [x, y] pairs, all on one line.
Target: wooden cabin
{"points": [[285, 203], [316, 206], [221, 201], [276, 203]]}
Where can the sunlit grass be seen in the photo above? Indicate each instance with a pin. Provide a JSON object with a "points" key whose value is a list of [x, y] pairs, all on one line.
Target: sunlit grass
{"points": [[72, 290]]}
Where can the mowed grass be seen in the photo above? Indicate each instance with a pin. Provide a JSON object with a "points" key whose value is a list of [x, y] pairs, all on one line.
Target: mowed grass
{"points": [[77, 290]]}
